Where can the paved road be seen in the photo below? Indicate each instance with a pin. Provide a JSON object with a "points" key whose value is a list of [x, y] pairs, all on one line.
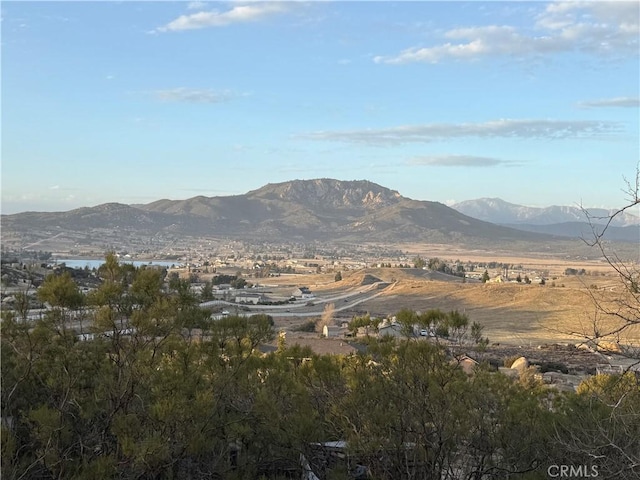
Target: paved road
{"points": [[341, 302]]}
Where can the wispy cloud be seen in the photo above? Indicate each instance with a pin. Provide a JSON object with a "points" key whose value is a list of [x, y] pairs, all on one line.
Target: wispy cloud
{"points": [[215, 18], [525, 129], [482, 41], [191, 95], [196, 5], [625, 102], [458, 161], [608, 29]]}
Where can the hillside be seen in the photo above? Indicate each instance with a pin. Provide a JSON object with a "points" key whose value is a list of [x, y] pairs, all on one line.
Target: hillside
{"points": [[328, 209]]}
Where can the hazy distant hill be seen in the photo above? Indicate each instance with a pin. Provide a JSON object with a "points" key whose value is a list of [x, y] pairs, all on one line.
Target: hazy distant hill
{"points": [[583, 230], [498, 211], [300, 210], [556, 220], [108, 215]]}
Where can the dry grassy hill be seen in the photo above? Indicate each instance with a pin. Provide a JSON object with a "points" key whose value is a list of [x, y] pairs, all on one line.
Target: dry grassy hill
{"points": [[512, 313]]}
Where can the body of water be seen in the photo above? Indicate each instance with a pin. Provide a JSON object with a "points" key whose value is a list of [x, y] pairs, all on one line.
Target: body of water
{"points": [[95, 263]]}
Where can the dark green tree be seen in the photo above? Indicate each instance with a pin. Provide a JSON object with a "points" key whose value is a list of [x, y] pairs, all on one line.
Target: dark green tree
{"points": [[207, 291], [485, 277]]}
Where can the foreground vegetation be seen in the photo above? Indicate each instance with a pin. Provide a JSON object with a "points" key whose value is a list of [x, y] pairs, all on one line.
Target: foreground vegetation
{"points": [[160, 391]]}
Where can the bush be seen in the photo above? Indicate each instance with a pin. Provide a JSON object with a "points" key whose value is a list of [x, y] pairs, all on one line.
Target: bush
{"points": [[308, 326], [553, 367], [493, 364]]}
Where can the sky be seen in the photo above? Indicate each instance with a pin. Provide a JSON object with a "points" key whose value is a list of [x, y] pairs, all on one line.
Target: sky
{"points": [[536, 103]]}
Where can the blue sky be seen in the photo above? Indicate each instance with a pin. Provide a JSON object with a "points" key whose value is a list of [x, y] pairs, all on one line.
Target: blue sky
{"points": [[536, 103]]}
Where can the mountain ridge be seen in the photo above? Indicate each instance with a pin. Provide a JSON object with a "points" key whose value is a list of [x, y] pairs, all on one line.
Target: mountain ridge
{"points": [[501, 212], [306, 210]]}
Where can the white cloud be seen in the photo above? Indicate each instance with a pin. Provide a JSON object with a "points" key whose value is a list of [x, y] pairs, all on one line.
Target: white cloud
{"points": [[196, 5], [602, 28], [191, 95], [626, 102], [457, 161], [484, 41], [214, 18], [507, 128]]}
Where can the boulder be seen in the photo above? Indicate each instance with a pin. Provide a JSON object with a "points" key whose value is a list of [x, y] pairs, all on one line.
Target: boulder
{"points": [[521, 364]]}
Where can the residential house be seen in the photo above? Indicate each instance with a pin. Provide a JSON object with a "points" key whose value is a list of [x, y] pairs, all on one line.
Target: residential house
{"points": [[333, 331], [302, 292], [391, 330]]}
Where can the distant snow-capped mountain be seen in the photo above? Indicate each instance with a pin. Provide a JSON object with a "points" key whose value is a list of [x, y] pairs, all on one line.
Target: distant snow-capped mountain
{"points": [[496, 210]]}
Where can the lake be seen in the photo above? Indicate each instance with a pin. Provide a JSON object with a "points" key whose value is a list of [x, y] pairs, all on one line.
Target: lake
{"points": [[95, 262]]}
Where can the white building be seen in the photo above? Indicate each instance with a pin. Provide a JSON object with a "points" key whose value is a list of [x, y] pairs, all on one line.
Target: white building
{"points": [[253, 298]]}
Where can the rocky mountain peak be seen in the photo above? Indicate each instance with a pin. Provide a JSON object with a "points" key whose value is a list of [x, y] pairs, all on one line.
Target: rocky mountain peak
{"points": [[330, 193]]}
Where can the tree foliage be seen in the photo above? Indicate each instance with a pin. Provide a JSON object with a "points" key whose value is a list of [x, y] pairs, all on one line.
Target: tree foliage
{"points": [[419, 262], [164, 392], [485, 277]]}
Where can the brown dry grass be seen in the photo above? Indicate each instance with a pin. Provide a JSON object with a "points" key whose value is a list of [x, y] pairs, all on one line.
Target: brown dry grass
{"points": [[320, 346], [511, 313]]}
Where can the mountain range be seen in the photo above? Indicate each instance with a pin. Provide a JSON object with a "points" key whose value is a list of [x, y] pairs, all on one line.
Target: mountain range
{"points": [[299, 210], [496, 210], [566, 221]]}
